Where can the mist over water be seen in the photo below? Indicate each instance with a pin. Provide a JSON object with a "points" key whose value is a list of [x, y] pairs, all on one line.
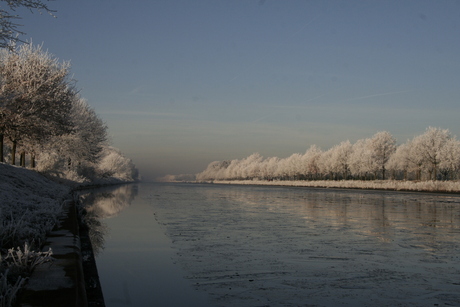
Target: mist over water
{"points": [[278, 246]]}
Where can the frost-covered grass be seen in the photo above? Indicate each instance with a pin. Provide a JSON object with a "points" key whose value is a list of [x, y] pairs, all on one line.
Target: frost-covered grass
{"points": [[395, 185], [30, 206], [17, 264]]}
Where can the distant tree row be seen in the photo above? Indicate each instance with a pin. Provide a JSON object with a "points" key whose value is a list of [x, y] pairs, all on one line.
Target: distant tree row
{"points": [[42, 114], [433, 155]]}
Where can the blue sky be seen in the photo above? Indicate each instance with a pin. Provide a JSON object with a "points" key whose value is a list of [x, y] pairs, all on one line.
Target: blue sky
{"points": [[184, 83]]}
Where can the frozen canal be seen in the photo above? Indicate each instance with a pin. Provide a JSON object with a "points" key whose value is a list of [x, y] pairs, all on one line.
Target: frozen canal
{"points": [[219, 245]]}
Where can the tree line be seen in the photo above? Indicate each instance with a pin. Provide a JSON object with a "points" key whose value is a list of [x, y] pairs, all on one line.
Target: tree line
{"points": [[433, 155], [43, 115]]}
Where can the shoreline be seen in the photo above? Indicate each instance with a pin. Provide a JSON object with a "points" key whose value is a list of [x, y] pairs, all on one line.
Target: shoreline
{"points": [[446, 187], [71, 278]]}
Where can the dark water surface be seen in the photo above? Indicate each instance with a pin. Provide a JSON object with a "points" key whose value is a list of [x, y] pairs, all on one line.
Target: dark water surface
{"points": [[218, 245]]}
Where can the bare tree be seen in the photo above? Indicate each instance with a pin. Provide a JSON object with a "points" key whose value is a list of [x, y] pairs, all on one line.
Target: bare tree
{"points": [[9, 28]]}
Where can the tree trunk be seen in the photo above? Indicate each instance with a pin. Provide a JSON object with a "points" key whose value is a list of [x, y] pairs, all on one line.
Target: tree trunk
{"points": [[22, 161], [1, 148], [13, 153]]}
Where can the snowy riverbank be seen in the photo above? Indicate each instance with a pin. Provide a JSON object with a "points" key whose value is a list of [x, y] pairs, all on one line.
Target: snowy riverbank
{"points": [[393, 185], [31, 205]]}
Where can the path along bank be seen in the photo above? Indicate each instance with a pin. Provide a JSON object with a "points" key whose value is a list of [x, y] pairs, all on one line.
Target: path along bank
{"points": [[71, 278]]}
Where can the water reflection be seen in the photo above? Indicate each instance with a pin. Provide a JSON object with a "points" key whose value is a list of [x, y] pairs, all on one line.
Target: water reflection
{"points": [[332, 246], [251, 246], [136, 267], [103, 203], [340, 208]]}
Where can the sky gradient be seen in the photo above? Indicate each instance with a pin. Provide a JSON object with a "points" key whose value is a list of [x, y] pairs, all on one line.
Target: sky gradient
{"points": [[184, 83]]}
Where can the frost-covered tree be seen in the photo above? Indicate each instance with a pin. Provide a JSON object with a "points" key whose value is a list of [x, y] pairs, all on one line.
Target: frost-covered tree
{"points": [[114, 164], [382, 146], [401, 160], [434, 152], [427, 149], [272, 167], [415, 159], [281, 169], [293, 166], [450, 159], [230, 172], [9, 29], [88, 131], [340, 159], [36, 95], [250, 166], [214, 170], [311, 162], [269, 167], [79, 150], [361, 162], [326, 164]]}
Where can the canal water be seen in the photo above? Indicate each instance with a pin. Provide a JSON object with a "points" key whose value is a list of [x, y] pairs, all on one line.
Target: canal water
{"points": [[227, 245]]}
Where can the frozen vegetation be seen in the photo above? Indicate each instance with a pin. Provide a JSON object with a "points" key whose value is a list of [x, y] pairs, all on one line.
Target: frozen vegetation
{"points": [[30, 207], [394, 185], [428, 162], [47, 127]]}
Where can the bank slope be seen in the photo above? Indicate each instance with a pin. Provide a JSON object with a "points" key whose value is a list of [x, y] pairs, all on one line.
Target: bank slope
{"points": [[393, 185], [29, 205]]}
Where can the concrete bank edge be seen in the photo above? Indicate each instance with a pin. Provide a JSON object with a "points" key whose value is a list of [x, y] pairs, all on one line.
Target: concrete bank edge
{"points": [[64, 282]]}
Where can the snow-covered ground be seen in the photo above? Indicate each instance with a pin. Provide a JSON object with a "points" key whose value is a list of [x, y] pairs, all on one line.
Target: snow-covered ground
{"points": [[30, 205], [394, 185]]}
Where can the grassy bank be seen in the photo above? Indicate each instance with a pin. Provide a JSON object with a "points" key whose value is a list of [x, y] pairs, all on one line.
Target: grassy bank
{"points": [[393, 185], [30, 207]]}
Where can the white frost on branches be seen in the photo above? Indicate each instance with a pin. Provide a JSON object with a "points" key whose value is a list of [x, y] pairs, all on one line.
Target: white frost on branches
{"points": [[42, 114], [430, 156]]}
